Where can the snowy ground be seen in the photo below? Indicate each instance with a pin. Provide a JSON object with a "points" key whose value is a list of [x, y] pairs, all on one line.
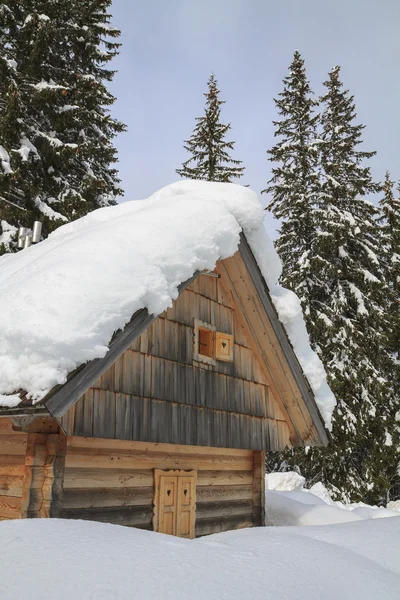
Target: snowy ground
{"points": [[82, 560], [288, 503]]}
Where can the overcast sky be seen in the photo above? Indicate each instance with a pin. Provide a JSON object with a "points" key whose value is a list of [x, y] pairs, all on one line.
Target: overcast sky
{"points": [[170, 48]]}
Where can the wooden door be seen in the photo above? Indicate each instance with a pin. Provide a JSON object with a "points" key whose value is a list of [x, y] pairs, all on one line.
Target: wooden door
{"points": [[175, 503]]}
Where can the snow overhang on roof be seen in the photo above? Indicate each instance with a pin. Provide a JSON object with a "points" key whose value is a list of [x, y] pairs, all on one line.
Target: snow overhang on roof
{"points": [[63, 300]]}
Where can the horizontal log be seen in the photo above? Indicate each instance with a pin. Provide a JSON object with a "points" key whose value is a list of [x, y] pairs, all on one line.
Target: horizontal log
{"points": [[157, 457], [149, 447], [6, 425], [217, 478], [12, 471], [10, 507], [124, 515], [209, 526], [220, 510], [122, 461], [11, 485], [107, 497], [111, 478], [8, 460], [211, 494], [13, 444]]}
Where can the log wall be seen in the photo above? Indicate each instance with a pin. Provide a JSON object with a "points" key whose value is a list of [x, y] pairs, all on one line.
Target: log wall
{"points": [[113, 481], [12, 470], [156, 391], [31, 470]]}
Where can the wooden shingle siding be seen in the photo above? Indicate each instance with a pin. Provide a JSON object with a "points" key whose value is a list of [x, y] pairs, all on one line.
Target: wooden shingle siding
{"points": [[122, 416], [156, 392], [113, 481]]}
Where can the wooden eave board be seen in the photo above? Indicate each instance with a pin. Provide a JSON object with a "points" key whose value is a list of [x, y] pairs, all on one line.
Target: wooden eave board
{"points": [[241, 277]]}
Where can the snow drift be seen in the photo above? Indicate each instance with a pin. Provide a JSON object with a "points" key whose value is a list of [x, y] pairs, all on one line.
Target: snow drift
{"points": [[44, 558], [62, 300], [289, 503]]}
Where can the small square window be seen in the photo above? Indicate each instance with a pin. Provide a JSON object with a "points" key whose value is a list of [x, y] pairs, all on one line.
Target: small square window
{"points": [[203, 347], [205, 342]]}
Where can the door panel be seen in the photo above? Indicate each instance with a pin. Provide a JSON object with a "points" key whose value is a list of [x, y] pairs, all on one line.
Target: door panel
{"points": [[168, 505], [186, 507]]}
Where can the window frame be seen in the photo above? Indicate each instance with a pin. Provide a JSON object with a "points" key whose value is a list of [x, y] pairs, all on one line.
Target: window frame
{"points": [[197, 356]]}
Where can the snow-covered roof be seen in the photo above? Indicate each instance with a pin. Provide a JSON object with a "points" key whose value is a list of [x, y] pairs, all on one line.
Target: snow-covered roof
{"points": [[63, 299]]}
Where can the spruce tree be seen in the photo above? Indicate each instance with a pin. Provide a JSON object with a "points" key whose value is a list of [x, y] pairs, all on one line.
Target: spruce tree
{"points": [[389, 221], [56, 132], [210, 159], [294, 182], [348, 318]]}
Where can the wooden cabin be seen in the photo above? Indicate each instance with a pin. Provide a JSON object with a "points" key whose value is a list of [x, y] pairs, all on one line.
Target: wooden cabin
{"points": [[168, 432]]}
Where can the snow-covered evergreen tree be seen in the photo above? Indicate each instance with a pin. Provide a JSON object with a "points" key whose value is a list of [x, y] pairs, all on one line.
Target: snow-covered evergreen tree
{"points": [[210, 159], [348, 319], [390, 230], [294, 181], [56, 132]]}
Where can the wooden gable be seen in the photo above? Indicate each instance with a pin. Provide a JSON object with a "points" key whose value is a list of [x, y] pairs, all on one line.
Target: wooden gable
{"points": [[154, 385], [159, 391]]}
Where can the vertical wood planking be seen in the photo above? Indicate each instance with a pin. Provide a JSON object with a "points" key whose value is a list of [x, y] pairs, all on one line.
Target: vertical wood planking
{"points": [[157, 379]]}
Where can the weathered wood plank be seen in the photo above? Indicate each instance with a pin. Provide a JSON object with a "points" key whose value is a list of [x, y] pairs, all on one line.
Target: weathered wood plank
{"points": [[122, 461], [10, 460], [218, 525], [215, 493], [61, 399], [223, 509], [122, 515], [11, 485], [13, 444], [10, 507], [259, 488], [124, 416], [86, 478], [148, 447], [217, 478], [107, 497], [103, 414], [6, 426]]}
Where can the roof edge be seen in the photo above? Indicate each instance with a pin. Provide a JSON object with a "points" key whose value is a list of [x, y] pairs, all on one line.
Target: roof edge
{"points": [[60, 399], [281, 333]]}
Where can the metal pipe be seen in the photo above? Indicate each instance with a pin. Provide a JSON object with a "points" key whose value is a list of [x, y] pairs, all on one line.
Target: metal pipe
{"points": [[37, 232], [22, 236]]}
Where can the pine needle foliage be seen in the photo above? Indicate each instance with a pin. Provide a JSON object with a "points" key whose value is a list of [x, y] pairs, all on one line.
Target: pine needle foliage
{"points": [[347, 295], [56, 152], [294, 182], [210, 158], [389, 221]]}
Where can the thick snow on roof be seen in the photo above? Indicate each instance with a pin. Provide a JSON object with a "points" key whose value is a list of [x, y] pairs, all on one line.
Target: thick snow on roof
{"points": [[62, 300]]}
